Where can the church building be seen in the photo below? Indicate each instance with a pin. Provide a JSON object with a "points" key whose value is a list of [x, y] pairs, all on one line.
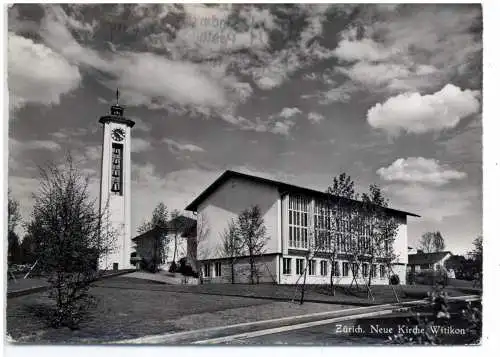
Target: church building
{"points": [[289, 213]]}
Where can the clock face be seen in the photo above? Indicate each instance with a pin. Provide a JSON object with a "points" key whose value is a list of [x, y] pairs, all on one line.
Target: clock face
{"points": [[118, 134]]}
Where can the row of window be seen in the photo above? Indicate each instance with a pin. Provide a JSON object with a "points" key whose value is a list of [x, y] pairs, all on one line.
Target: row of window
{"points": [[207, 269], [347, 269], [322, 224]]}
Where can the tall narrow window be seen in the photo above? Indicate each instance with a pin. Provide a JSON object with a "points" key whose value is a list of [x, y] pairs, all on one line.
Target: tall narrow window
{"points": [[298, 220], [287, 266], [117, 169], [322, 225], [299, 266]]}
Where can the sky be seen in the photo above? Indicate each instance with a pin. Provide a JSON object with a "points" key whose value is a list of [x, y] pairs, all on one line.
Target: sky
{"points": [[390, 94]]}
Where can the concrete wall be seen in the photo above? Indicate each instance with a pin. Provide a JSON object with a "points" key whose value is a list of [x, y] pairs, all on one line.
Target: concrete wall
{"points": [[226, 203], [118, 206], [401, 241], [265, 266]]}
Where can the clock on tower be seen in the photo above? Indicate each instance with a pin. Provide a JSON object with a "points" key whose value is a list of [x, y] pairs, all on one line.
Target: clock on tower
{"points": [[115, 186]]}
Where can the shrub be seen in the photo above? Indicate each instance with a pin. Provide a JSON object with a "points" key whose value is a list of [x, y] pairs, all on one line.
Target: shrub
{"points": [[172, 268], [394, 280]]}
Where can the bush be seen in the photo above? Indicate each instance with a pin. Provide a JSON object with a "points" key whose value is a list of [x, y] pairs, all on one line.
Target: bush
{"points": [[394, 280], [172, 268]]}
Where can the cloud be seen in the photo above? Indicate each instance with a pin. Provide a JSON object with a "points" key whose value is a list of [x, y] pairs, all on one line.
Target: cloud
{"points": [[182, 147], [289, 112], [416, 113], [282, 128], [140, 145], [419, 170], [410, 48], [432, 203], [36, 74], [315, 117], [363, 50]]}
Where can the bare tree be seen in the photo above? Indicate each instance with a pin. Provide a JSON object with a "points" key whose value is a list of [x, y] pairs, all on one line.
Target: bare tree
{"points": [[157, 225], [253, 236], [426, 242], [70, 235], [232, 246]]}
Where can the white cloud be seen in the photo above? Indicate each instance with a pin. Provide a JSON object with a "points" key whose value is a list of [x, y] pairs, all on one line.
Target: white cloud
{"points": [[417, 47], [282, 128], [36, 74], [140, 145], [289, 112], [182, 147], [42, 144], [315, 117], [430, 202], [365, 49], [419, 170], [416, 113]]}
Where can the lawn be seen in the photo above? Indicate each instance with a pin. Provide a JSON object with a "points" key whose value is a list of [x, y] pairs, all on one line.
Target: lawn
{"points": [[314, 293], [122, 313], [130, 308]]}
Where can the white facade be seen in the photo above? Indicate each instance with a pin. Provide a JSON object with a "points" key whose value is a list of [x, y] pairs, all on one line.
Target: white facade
{"points": [[116, 207], [236, 194]]}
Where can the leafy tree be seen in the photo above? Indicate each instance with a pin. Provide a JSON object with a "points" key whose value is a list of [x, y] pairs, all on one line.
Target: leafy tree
{"points": [[476, 254], [382, 229], [70, 235], [13, 218], [343, 186], [231, 246], [253, 236], [158, 224], [427, 242]]}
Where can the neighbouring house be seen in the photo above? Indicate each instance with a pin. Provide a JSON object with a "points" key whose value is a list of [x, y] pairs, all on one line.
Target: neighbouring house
{"points": [[427, 261], [289, 213], [180, 230]]}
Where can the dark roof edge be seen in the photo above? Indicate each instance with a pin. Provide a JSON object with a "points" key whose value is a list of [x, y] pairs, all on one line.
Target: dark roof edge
{"points": [[228, 174], [116, 119]]}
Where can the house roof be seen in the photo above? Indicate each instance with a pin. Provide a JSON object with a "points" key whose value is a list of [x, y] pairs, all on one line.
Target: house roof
{"points": [[283, 188], [426, 258], [188, 228]]}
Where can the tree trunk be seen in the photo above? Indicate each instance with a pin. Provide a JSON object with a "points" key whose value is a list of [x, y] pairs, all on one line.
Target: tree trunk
{"points": [[175, 247], [304, 283], [332, 271], [232, 271]]}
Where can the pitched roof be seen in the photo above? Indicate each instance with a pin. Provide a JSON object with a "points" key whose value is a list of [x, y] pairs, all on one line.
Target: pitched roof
{"points": [[283, 187], [426, 258], [188, 228]]}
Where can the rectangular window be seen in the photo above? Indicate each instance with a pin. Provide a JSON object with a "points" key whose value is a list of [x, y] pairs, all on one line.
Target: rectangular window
{"points": [[364, 268], [312, 267], [206, 270], [323, 267], [322, 225], [117, 169], [345, 269], [287, 266], [355, 269], [374, 271], [337, 269], [298, 210], [299, 266], [382, 271], [218, 269]]}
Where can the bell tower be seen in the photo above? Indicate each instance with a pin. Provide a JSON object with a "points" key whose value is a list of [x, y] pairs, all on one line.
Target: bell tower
{"points": [[115, 185]]}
